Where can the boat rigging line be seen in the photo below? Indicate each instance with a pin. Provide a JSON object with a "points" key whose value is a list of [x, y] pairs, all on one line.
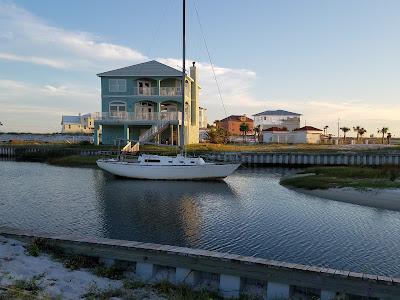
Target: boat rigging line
{"points": [[209, 57]]}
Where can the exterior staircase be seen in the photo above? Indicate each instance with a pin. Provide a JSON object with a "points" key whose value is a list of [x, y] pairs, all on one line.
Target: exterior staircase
{"points": [[153, 132], [133, 148]]}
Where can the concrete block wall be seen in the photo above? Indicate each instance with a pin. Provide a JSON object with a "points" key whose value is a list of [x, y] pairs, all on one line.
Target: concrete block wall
{"points": [[229, 274]]}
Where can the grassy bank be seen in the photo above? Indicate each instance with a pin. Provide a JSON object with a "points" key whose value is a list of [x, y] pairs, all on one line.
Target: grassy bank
{"points": [[338, 177], [74, 160]]}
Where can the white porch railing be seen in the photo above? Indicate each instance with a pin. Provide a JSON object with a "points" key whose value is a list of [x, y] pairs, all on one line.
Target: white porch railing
{"points": [[137, 116], [170, 91], [163, 91]]}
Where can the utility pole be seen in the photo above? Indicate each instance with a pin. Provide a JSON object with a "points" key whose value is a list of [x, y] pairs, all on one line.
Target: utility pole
{"points": [[338, 128]]}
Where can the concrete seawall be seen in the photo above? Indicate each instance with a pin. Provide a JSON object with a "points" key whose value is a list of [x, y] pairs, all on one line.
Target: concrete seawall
{"points": [[232, 274], [304, 158], [250, 158], [10, 151]]}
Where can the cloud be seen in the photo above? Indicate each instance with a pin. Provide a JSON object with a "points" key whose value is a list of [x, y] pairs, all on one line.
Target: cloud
{"points": [[36, 108], [35, 60], [55, 47]]}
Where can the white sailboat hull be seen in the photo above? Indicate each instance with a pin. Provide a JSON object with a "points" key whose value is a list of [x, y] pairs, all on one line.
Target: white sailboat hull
{"points": [[205, 171]]}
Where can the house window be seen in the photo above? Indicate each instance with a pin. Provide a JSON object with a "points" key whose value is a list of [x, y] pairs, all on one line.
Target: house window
{"points": [[117, 108], [117, 85]]}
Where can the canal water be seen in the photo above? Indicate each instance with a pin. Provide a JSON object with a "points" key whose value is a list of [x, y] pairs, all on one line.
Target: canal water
{"points": [[249, 213]]}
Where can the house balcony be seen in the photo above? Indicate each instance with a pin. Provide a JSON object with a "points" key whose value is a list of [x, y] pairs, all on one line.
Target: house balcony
{"points": [[162, 91], [137, 118]]}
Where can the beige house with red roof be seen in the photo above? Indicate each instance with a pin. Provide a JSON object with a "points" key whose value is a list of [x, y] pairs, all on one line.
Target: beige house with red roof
{"points": [[303, 135]]}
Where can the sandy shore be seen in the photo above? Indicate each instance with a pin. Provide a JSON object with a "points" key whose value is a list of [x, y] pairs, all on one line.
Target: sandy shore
{"points": [[380, 198], [55, 281]]}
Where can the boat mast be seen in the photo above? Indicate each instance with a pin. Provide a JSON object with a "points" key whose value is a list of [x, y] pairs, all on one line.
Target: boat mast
{"points": [[182, 132]]}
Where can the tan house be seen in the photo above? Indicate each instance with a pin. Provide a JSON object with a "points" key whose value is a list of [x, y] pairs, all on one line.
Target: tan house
{"points": [[303, 135], [77, 124], [233, 122]]}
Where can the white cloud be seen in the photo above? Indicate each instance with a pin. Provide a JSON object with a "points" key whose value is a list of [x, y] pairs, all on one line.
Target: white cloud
{"points": [[35, 108], [35, 60], [27, 38]]}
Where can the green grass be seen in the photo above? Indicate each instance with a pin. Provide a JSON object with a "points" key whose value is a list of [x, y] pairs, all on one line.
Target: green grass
{"points": [[338, 177], [112, 272], [71, 261], [74, 160]]}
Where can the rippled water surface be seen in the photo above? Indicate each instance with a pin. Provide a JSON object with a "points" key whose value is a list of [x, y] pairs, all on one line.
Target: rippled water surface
{"points": [[249, 213]]}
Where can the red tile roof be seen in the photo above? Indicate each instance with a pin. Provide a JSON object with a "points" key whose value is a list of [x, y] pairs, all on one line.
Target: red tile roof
{"points": [[276, 129], [237, 118], [307, 128]]}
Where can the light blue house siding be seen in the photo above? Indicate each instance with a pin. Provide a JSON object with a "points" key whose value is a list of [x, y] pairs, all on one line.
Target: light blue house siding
{"points": [[135, 98]]}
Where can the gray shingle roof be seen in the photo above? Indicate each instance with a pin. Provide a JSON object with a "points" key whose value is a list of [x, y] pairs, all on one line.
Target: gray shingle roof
{"points": [[278, 112], [71, 120], [146, 69]]}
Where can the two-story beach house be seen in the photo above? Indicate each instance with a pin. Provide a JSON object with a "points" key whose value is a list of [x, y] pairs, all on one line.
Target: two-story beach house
{"points": [[143, 103], [277, 118], [77, 124]]}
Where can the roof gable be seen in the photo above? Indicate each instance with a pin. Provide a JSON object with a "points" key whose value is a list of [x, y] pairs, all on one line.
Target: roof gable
{"points": [[146, 69], [71, 120], [278, 112], [307, 128], [283, 129], [237, 118]]}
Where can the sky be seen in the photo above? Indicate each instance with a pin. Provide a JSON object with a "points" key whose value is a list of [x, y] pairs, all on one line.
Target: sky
{"points": [[327, 60]]}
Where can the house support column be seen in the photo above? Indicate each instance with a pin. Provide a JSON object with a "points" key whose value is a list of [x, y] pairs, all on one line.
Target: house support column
{"points": [[159, 87], [126, 133], [171, 138], [179, 136], [96, 135]]}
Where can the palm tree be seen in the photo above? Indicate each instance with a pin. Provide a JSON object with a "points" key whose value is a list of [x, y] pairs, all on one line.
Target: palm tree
{"points": [[326, 129], [383, 130], [345, 130], [357, 130], [244, 128], [361, 132], [388, 137], [257, 131]]}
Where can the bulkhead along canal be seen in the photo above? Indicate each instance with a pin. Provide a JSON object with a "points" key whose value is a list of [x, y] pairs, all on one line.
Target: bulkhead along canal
{"points": [[249, 214]]}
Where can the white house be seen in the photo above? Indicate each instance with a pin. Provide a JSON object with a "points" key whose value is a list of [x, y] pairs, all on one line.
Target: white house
{"points": [[303, 135], [77, 124], [277, 118]]}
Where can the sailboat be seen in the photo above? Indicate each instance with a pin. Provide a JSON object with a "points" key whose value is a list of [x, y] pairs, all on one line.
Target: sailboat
{"points": [[181, 167]]}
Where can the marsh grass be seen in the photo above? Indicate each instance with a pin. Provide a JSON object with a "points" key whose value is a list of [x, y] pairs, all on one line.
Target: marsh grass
{"points": [[337, 177]]}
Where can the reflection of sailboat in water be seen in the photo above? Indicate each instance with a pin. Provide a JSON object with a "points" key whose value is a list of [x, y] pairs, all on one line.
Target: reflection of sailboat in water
{"points": [[167, 212]]}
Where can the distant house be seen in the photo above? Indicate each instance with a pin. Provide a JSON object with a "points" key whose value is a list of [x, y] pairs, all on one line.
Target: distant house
{"points": [[77, 124], [307, 135], [233, 122], [277, 118], [143, 102], [202, 117], [303, 135]]}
